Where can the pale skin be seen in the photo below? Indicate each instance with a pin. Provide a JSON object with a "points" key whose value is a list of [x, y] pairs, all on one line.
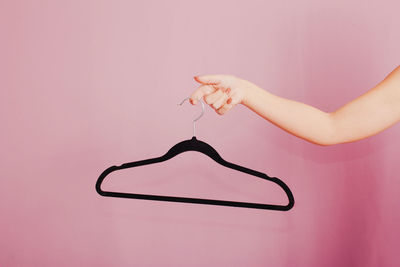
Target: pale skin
{"points": [[370, 113]]}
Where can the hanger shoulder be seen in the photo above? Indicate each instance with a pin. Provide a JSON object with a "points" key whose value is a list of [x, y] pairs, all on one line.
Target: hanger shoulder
{"points": [[193, 145], [111, 169]]}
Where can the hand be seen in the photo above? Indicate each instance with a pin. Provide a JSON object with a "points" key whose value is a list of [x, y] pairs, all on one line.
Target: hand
{"points": [[221, 92]]}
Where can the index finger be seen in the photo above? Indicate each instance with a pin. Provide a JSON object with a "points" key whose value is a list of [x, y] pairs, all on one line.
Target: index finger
{"points": [[201, 92]]}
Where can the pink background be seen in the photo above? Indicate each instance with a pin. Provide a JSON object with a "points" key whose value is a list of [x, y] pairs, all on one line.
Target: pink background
{"points": [[90, 84]]}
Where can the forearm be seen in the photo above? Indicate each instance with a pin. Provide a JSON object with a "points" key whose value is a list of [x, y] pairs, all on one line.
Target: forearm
{"points": [[299, 119]]}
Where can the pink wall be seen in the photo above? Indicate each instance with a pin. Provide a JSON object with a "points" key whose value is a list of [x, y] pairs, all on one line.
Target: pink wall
{"points": [[90, 84]]}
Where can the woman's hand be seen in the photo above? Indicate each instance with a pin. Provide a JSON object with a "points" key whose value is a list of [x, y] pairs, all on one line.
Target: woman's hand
{"points": [[221, 92]]}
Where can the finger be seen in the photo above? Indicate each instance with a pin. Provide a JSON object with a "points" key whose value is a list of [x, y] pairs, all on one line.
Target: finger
{"points": [[211, 98], [201, 91], [220, 101], [222, 88], [224, 109], [209, 79], [234, 99], [229, 104]]}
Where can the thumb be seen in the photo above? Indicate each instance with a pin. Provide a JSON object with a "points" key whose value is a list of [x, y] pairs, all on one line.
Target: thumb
{"points": [[208, 79]]}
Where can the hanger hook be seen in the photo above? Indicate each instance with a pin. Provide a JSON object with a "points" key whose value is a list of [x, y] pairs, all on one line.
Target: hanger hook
{"points": [[194, 121]]}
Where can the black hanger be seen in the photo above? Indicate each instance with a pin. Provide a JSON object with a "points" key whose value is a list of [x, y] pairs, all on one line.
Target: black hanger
{"points": [[202, 147]]}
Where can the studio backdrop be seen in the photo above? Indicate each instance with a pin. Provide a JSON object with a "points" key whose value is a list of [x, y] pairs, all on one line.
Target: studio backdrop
{"points": [[86, 85]]}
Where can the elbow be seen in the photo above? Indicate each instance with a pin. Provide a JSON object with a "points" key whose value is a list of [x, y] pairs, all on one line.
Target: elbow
{"points": [[325, 143], [322, 141], [328, 135]]}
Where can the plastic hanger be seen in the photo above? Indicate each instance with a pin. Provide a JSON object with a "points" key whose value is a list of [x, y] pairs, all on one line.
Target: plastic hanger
{"points": [[196, 145]]}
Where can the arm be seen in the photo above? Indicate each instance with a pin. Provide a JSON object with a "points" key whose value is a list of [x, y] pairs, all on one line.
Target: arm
{"points": [[367, 115], [370, 113]]}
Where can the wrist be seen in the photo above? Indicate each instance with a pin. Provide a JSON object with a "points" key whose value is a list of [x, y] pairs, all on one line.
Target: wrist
{"points": [[250, 91]]}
